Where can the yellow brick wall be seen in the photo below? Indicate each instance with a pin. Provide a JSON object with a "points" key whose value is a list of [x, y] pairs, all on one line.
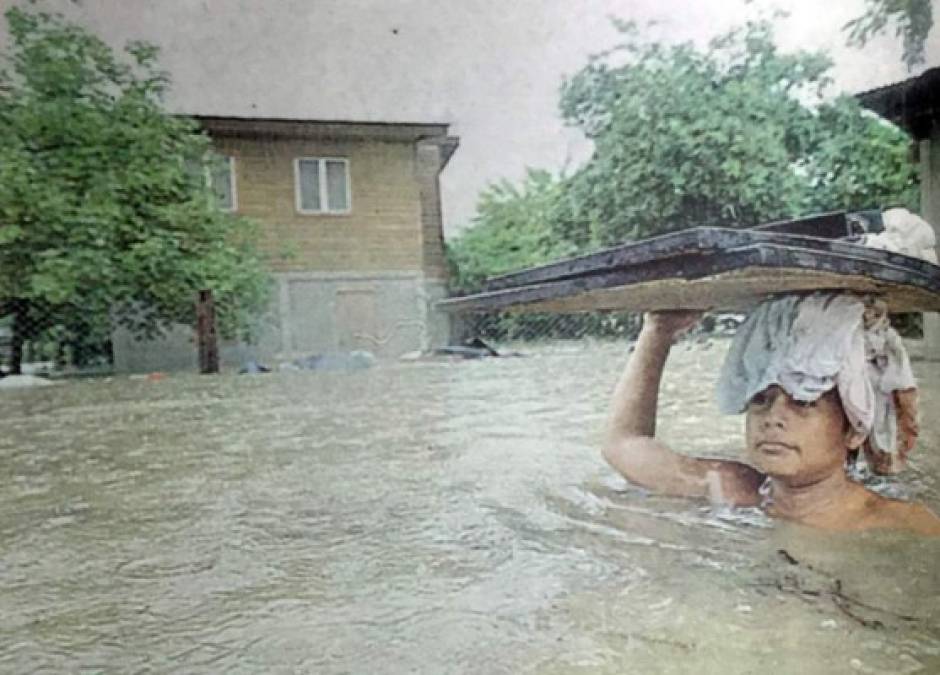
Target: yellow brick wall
{"points": [[432, 236], [383, 230]]}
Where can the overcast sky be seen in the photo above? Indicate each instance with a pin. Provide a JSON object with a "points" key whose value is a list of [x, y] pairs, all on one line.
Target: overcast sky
{"points": [[490, 68]]}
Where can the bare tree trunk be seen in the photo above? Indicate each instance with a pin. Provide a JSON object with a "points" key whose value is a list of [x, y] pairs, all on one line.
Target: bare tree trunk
{"points": [[19, 336]]}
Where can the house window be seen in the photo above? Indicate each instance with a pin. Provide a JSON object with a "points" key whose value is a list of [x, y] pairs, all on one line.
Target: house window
{"points": [[321, 184], [221, 179]]}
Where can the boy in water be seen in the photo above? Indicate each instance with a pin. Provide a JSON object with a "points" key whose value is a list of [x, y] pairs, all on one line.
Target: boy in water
{"points": [[797, 367]]}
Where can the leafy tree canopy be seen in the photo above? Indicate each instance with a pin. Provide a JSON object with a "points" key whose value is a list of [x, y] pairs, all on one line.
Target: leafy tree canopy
{"points": [[512, 230], [732, 135], [912, 21], [105, 211]]}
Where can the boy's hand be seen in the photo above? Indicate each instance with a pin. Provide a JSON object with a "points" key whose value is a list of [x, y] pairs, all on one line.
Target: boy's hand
{"points": [[671, 323]]}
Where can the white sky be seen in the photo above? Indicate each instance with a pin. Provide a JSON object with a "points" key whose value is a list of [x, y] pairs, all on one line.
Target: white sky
{"points": [[491, 68]]}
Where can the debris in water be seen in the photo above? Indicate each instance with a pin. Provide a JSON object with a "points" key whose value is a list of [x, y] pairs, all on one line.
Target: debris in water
{"points": [[23, 381], [252, 368], [354, 360], [815, 585], [472, 349], [786, 556]]}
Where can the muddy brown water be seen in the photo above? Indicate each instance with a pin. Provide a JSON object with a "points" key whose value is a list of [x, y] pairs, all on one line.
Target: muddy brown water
{"points": [[425, 518]]}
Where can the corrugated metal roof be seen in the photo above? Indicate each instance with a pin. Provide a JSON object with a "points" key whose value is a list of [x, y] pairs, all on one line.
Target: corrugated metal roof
{"points": [[300, 128], [913, 104]]}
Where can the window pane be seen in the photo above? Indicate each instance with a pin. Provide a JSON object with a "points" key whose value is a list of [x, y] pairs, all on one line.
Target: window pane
{"points": [[309, 184], [222, 179], [337, 194]]}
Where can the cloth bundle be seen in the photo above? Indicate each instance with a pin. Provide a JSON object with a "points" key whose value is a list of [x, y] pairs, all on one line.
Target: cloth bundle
{"points": [[809, 344], [906, 233], [895, 427]]}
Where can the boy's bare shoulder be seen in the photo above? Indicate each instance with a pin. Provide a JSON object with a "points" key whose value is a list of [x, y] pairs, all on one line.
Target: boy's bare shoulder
{"points": [[883, 512]]}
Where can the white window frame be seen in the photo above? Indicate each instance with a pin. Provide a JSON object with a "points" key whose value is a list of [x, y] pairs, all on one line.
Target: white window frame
{"points": [[324, 195], [232, 183]]}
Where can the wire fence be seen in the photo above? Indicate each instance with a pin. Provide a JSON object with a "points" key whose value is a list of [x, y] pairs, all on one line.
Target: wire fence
{"points": [[36, 342], [499, 328], [36, 338], [33, 340], [502, 328]]}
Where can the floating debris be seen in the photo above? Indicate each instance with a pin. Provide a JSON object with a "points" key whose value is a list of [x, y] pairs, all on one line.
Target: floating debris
{"points": [[474, 348], [24, 381], [355, 360], [253, 368]]}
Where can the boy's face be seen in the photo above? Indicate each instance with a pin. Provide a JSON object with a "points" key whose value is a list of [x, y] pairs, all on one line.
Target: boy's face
{"points": [[797, 441]]}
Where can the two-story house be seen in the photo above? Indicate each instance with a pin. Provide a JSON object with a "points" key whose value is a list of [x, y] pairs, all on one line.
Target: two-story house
{"points": [[351, 225]]}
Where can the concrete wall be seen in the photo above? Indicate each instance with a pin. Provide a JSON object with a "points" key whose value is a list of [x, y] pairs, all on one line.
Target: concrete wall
{"points": [[930, 210], [387, 314]]}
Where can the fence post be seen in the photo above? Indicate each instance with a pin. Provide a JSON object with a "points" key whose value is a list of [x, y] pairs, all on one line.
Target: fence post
{"points": [[19, 337], [206, 333]]}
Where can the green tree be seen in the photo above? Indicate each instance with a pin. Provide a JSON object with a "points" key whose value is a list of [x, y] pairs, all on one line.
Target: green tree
{"points": [[733, 135], [511, 230], [912, 21], [105, 213], [858, 160]]}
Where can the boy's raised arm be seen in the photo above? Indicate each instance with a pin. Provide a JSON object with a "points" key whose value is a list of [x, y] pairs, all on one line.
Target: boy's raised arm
{"points": [[630, 445]]}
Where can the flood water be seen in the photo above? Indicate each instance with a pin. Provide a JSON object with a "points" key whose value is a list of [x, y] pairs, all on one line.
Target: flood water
{"points": [[425, 518]]}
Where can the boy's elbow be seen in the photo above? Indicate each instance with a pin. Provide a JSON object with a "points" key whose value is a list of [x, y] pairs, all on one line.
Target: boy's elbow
{"points": [[640, 459], [611, 451], [618, 442], [622, 455], [613, 442]]}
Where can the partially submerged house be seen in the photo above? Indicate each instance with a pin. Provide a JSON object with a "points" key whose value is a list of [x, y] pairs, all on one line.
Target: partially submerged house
{"points": [[914, 105], [351, 225]]}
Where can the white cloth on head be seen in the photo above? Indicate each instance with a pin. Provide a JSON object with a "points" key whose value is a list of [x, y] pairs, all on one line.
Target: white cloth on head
{"points": [[807, 345]]}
